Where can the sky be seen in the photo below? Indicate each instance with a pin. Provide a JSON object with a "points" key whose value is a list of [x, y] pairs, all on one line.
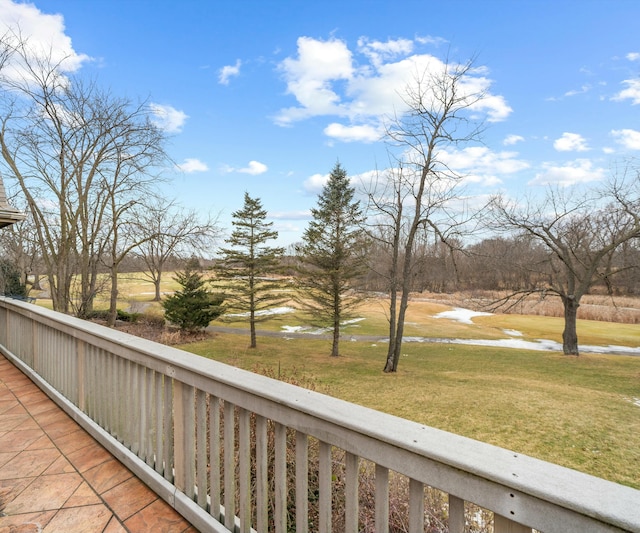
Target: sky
{"points": [[265, 96]]}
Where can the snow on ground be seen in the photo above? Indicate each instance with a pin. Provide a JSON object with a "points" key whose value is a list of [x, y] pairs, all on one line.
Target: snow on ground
{"points": [[304, 329], [512, 332], [539, 345], [465, 316], [353, 321], [461, 315], [265, 312]]}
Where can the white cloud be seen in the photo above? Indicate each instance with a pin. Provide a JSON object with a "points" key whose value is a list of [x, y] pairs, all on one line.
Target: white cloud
{"points": [[254, 168], [633, 56], [632, 91], [363, 133], [578, 171], [291, 215], [628, 138], [309, 78], [327, 80], [512, 139], [192, 165], [584, 89], [571, 142], [229, 71], [168, 118], [479, 164], [44, 34], [314, 184], [378, 52]]}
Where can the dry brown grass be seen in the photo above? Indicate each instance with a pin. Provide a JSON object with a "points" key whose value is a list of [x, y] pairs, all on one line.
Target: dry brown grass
{"points": [[621, 309]]}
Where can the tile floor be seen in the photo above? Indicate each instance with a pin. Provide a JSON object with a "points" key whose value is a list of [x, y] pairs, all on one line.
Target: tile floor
{"points": [[55, 478]]}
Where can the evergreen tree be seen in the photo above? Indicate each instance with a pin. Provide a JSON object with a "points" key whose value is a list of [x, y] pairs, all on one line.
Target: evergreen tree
{"points": [[192, 307], [10, 282], [248, 266], [331, 255]]}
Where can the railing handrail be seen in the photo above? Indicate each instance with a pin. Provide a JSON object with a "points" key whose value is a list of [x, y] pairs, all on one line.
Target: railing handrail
{"points": [[517, 486]]}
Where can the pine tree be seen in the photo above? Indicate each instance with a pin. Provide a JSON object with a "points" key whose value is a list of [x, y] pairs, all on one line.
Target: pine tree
{"points": [[192, 307], [249, 265], [331, 255]]}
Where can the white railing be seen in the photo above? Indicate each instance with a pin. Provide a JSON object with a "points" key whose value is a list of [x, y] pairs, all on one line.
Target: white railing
{"points": [[235, 451]]}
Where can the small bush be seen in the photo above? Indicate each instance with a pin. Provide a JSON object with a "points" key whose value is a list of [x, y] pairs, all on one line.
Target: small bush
{"points": [[127, 317]]}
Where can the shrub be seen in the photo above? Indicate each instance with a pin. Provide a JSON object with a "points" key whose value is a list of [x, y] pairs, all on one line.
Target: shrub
{"points": [[192, 307]]}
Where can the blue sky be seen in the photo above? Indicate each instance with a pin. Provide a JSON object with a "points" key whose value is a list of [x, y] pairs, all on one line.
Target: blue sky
{"points": [[265, 96]]}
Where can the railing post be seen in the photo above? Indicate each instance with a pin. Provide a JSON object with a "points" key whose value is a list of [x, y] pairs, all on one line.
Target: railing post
{"points": [[504, 525], [456, 515], [80, 350], [184, 457]]}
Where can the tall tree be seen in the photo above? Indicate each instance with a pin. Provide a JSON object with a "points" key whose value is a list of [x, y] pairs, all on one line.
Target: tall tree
{"points": [[72, 147], [581, 233], [416, 194], [331, 255], [165, 231], [249, 265]]}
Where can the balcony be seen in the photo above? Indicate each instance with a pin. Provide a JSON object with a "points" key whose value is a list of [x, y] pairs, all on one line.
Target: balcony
{"points": [[233, 451]]}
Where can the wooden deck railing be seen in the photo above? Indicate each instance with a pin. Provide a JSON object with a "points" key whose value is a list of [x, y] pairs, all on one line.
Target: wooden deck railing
{"points": [[231, 450]]}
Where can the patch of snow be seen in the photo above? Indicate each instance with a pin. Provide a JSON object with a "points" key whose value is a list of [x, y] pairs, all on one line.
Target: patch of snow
{"points": [[304, 329], [353, 321], [266, 312], [513, 332], [461, 315], [538, 345]]}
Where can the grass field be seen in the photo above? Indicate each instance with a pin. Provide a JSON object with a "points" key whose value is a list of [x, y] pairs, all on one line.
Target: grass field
{"points": [[580, 412]]}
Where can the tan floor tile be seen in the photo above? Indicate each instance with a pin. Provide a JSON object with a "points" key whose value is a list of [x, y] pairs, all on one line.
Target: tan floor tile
{"points": [[25, 390], [11, 488], [84, 495], [114, 527], [12, 407], [42, 443], [60, 466], [107, 475], [5, 392], [26, 523], [19, 440], [129, 497], [40, 406], [60, 429], [45, 493], [6, 456], [90, 519], [157, 517], [10, 422], [46, 416], [74, 441], [30, 463], [86, 458], [30, 423]]}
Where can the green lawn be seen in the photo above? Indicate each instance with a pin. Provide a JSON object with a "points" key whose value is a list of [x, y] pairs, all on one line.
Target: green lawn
{"points": [[575, 411]]}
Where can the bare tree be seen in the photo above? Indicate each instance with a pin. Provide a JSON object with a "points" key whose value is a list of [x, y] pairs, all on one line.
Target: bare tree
{"points": [[581, 234], [165, 231], [417, 194], [76, 151]]}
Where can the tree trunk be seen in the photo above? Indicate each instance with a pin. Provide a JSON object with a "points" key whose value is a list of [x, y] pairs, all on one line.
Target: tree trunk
{"points": [[156, 284], [336, 339], [113, 301], [570, 335], [252, 329]]}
